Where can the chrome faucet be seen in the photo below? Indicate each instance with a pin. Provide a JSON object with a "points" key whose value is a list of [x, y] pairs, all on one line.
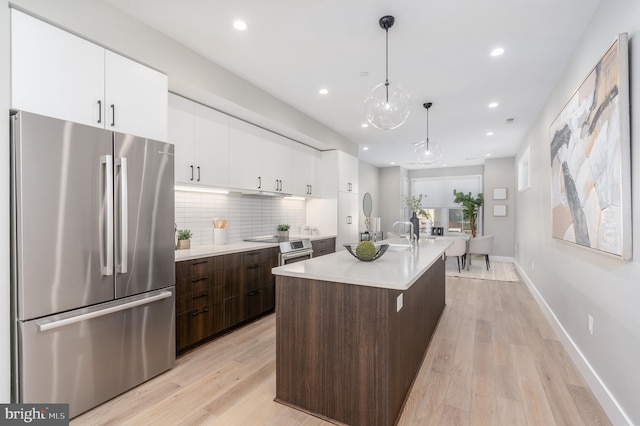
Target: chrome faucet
{"points": [[412, 236]]}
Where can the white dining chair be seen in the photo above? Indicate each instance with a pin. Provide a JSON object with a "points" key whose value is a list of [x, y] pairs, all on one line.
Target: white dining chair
{"points": [[482, 246], [457, 249]]}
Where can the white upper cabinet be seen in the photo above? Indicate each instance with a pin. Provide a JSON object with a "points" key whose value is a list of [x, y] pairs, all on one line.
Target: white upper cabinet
{"points": [[57, 74], [201, 139], [135, 98], [348, 172], [347, 219], [306, 171], [258, 159]]}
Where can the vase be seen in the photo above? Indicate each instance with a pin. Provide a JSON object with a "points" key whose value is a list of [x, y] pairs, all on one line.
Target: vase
{"points": [[184, 244], [429, 226], [283, 235], [416, 225]]}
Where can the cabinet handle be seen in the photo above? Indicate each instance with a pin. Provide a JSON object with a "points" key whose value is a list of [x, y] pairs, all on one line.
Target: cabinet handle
{"points": [[99, 111], [280, 185], [198, 173], [200, 279], [349, 187], [191, 172], [204, 311], [113, 115], [277, 185], [259, 182], [253, 293], [206, 293], [199, 262], [253, 266], [348, 220]]}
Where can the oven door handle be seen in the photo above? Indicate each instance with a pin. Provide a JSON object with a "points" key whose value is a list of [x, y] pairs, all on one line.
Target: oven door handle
{"points": [[295, 254]]}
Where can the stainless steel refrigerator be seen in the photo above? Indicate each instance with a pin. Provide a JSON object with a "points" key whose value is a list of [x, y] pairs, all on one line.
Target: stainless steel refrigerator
{"points": [[92, 262]]}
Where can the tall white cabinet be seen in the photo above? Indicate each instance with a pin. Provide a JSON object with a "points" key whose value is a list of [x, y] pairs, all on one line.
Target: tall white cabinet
{"points": [[58, 74], [337, 212]]}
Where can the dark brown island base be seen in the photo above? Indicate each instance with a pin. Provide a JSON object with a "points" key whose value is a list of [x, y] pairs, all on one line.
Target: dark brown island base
{"points": [[347, 351]]}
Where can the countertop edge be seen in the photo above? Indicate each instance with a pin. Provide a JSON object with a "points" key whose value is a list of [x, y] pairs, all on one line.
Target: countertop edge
{"points": [[219, 250]]}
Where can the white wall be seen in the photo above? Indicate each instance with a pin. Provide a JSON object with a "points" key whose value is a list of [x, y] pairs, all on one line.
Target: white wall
{"points": [[368, 181], [572, 282], [5, 355], [500, 173]]}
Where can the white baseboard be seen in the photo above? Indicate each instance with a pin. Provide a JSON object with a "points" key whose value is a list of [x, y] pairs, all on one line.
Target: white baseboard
{"points": [[609, 404], [501, 258]]}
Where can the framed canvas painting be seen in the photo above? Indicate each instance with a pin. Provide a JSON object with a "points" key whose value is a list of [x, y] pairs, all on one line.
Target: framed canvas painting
{"points": [[590, 159]]}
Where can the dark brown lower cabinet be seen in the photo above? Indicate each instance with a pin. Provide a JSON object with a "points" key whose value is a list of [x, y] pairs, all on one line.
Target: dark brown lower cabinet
{"points": [[218, 293]]}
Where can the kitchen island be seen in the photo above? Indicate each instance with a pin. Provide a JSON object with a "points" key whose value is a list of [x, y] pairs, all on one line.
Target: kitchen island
{"points": [[351, 335]]}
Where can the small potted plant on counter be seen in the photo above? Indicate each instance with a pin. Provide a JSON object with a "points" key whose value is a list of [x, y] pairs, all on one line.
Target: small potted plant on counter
{"points": [[184, 239], [283, 231]]}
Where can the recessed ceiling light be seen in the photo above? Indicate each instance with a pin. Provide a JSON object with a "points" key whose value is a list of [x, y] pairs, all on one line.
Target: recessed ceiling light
{"points": [[489, 133], [497, 51], [323, 91], [488, 155], [364, 125], [493, 104], [365, 148], [392, 163], [240, 25]]}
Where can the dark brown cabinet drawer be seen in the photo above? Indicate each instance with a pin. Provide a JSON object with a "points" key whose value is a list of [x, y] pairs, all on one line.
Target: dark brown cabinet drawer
{"points": [[248, 305], [322, 247], [198, 324], [197, 267]]}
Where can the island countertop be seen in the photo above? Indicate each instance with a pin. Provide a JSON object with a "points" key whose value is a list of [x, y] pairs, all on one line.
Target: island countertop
{"points": [[396, 270]]}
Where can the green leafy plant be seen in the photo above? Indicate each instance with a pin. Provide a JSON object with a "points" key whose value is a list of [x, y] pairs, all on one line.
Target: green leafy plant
{"points": [[471, 206], [283, 227], [184, 234], [414, 203]]}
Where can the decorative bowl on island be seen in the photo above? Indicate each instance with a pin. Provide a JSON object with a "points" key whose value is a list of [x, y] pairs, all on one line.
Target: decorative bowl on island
{"points": [[367, 254]]}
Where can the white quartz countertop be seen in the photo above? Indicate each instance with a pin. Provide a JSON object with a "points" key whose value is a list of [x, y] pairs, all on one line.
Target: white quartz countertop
{"points": [[217, 250], [396, 270]]}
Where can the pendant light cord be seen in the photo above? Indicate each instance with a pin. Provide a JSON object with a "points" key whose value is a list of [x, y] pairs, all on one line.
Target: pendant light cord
{"points": [[386, 84], [427, 129]]}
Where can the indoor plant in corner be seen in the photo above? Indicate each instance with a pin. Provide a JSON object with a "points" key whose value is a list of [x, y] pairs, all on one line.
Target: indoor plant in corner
{"points": [[283, 231], [471, 206], [184, 239]]}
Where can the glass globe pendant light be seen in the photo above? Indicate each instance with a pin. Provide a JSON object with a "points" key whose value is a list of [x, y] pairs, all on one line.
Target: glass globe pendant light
{"points": [[387, 106], [427, 152]]}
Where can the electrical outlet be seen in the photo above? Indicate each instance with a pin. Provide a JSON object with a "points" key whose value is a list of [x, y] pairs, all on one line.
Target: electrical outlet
{"points": [[590, 325], [399, 303]]}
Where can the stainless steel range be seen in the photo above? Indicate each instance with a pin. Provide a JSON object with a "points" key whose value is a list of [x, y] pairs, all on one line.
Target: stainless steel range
{"points": [[295, 251]]}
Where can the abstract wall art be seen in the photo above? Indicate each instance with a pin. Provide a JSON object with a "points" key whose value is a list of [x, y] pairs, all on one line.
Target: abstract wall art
{"points": [[590, 159]]}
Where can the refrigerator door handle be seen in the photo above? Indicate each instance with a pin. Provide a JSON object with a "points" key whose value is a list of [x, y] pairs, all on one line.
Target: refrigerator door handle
{"points": [[124, 216], [106, 267], [107, 311]]}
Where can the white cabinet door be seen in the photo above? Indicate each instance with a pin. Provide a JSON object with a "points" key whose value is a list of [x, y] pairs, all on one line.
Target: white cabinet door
{"points": [[347, 219], [135, 98], [55, 73], [211, 147], [306, 169], [348, 166], [182, 135], [276, 153], [245, 143]]}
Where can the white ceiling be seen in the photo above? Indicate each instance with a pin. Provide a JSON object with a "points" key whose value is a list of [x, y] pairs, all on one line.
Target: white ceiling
{"points": [[439, 51]]}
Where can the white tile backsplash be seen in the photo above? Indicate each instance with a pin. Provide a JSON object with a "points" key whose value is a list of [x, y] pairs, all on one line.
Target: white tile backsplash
{"points": [[248, 215]]}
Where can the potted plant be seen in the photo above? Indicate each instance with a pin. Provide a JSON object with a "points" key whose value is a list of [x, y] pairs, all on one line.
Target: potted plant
{"points": [[184, 239], [283, 230], [471, 206], [414, 204]]}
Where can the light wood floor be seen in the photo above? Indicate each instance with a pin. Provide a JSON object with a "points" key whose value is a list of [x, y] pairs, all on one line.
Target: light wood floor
{"points": [[494, 360]]}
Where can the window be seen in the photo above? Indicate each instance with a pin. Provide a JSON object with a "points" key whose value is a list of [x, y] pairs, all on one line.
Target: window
{"points": [[524, 170]]}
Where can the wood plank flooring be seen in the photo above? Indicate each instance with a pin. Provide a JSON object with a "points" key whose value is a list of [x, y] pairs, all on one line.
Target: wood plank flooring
{"points": [[494, 360]]}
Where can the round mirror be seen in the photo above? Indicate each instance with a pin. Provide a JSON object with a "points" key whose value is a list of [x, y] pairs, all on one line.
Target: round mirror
{"points": [[367, 204]]}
